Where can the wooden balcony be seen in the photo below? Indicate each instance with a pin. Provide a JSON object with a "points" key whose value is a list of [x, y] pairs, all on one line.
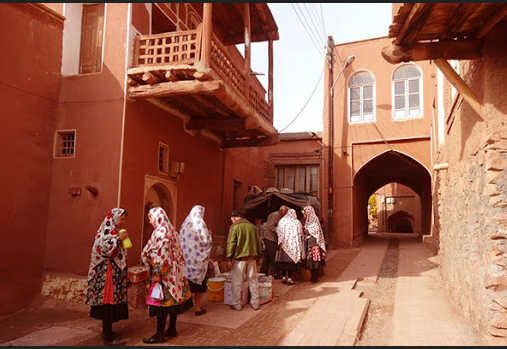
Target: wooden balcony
{"points": [[213, 91]]}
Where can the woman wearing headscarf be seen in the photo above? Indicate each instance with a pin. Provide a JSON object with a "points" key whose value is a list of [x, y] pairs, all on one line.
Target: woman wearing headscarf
{"points": [[195, 240], [107, 275], [314, 241], [290, 245], [164, 258]]}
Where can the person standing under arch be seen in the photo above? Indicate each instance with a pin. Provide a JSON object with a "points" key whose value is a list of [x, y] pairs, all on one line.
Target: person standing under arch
{"points": [[164, 258]]}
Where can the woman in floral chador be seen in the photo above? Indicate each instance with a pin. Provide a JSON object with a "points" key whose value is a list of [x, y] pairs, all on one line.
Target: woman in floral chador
{"points": [[164, 258], [314, 241], [107, 275], [290, 241], [195, 240]]}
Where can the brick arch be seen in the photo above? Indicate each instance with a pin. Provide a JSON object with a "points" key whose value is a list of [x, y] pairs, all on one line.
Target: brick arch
{"points": [[389, 167]]}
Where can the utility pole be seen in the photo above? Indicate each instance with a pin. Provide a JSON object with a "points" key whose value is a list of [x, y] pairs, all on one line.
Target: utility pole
{"points": [[330, 196]]}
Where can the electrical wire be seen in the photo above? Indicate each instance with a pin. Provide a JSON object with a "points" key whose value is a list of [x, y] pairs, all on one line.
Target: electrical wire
{"points": [[307, 17], [306, 103], [315, 27], [306, 29], [316, 21], [323, 22]]}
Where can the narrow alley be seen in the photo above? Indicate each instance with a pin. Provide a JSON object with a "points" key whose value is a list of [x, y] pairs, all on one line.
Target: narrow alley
{"points": [[387, 292]]}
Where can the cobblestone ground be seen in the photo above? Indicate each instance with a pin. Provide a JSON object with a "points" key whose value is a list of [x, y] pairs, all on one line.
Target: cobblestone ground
{"points": [[377, 327]]}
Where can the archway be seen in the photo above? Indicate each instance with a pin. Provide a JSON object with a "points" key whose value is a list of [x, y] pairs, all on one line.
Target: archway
{"points": [[390, 167], [401, 222], [157, 195]]}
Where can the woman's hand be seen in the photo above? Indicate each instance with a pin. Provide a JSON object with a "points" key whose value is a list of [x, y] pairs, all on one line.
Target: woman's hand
{"points": [[123, 234]]}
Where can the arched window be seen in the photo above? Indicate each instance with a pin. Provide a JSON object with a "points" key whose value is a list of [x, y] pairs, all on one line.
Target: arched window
{"points": [[407, 92], [361, 97]]}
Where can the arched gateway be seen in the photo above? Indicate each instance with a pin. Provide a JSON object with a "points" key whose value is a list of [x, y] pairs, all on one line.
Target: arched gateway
{"points": [[390, 167]]}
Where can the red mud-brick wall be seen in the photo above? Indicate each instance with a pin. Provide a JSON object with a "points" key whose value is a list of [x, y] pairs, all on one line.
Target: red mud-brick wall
{"points": [[31, 49], [92, 104], [200, 183], [472, 195]]}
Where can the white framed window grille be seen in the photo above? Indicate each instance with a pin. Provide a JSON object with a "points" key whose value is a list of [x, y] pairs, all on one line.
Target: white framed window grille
{"points": [[163, 158], [361, 97], [407, 92], [65, 144]]}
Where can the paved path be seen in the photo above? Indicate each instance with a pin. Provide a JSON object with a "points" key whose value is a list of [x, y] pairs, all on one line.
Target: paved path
{"points": [[422, 313]]}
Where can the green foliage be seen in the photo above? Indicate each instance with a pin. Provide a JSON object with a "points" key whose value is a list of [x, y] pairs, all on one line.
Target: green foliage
{"points": [[372, 206]]}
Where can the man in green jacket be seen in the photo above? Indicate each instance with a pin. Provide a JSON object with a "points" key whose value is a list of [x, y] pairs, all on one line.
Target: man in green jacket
{"points": [[243, 247]]}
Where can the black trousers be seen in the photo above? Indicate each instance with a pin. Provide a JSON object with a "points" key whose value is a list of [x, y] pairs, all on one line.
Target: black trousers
{"points": [[268, 259]]}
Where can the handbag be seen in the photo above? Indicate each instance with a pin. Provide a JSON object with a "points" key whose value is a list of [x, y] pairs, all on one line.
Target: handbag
{"points": [[157, 293]]}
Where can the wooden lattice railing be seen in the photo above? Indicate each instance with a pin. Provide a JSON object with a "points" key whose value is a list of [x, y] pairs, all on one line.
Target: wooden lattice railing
{"points": [[180, 47], [225, 66], [183, 47]]}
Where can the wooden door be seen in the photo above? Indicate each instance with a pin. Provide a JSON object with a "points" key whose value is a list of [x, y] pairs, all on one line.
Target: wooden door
{"points": [[92, 33]]}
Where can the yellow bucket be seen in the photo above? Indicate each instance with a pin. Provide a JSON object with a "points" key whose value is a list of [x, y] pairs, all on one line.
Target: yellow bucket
{"points": [[216, 289]]}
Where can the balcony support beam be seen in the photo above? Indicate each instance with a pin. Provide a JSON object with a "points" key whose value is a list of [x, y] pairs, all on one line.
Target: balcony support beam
{"points": [[248, 36], [216, 124], [207, 32], [270, 76], [167, 89]]}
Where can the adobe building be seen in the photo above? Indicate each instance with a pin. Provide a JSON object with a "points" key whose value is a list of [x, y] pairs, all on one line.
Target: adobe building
{"points": [[377, 131], [294, 163], [398, 209], [121, 104], [469, 147]]}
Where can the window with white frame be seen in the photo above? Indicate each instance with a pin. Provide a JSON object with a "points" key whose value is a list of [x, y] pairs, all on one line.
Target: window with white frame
{"points": [[361, 97], [407, 92]]}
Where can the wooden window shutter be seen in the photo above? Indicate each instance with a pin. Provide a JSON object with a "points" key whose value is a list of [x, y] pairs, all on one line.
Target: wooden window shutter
{"points": [[92, 28]]}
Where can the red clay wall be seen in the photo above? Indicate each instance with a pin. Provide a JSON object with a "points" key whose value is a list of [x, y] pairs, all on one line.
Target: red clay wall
{"points": [[350, 150], [200, 183], [93, 105], [29, 85]]}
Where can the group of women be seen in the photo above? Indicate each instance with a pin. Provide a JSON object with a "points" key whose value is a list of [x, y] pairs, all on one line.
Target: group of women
{"points": [[177, 264], [299, 244]]}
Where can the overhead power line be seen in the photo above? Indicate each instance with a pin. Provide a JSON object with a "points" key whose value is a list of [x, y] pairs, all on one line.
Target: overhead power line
{"points": [[311, 9], [323, 22], [307, 31], [306, 103], [314, 25]]}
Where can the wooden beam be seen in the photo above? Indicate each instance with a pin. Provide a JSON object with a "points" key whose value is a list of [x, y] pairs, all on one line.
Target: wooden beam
{"points": [[204, 103], [150, 78], [207, 31], [258, 142], [216, 124], [270, 76], [417, 24], [461, 15], [166, 89], [447, 49], [414, 11], [248, 36], [494, 20], [460, 85], [241, 107]]}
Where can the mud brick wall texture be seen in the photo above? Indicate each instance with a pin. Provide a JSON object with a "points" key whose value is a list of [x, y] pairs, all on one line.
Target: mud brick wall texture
{"points": [[472, 193]]}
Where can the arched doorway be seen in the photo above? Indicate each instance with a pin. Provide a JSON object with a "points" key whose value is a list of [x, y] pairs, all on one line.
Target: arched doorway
{"points": [[158, 192], [401, 222], [390, 167]]}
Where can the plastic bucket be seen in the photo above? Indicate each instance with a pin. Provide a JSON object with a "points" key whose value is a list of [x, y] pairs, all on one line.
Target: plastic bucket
{"points": [[216, 289]]}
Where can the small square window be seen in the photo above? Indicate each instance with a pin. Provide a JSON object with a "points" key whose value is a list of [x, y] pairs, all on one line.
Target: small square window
{"points": [[65, 144], [163, 158]]}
